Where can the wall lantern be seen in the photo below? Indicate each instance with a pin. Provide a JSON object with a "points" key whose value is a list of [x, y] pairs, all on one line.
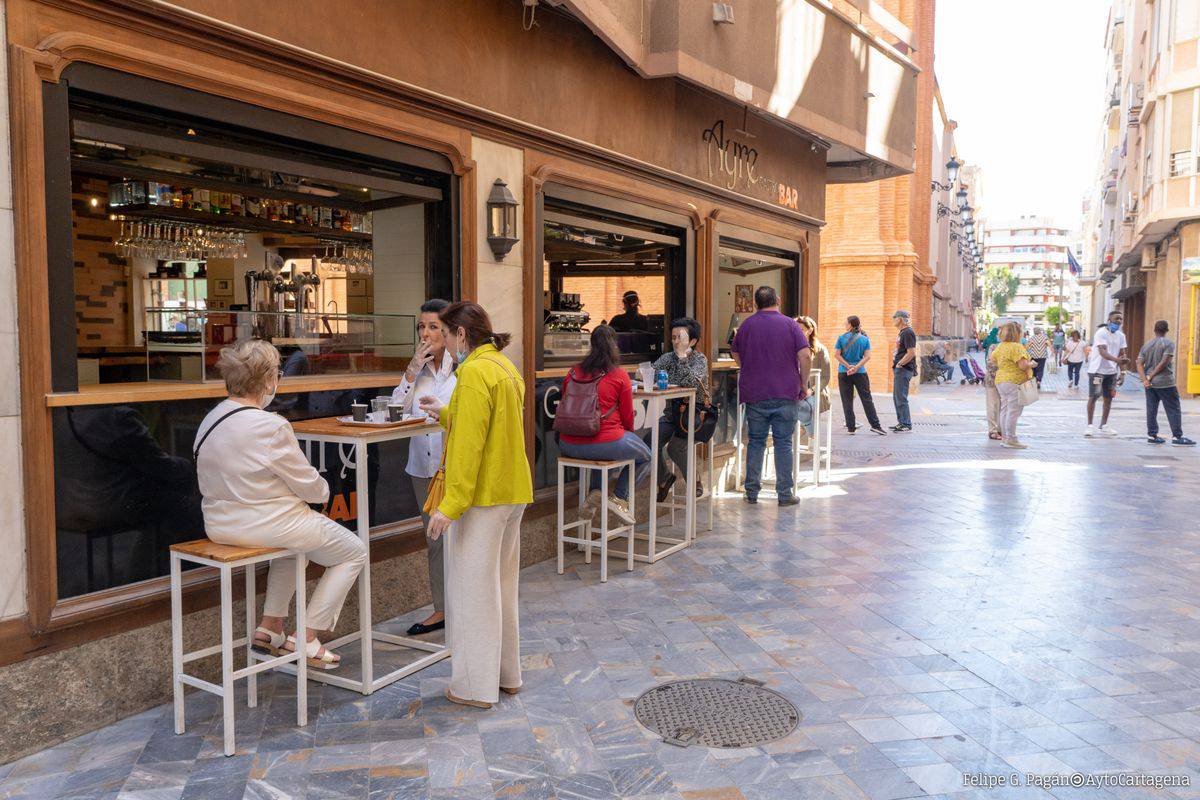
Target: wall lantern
{"points": [[951, 176], [961, 196], [952, 169], [502, 219]]}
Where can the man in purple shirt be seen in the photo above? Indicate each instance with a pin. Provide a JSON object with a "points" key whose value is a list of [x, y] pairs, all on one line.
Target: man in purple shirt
{"points": [[772, 352]]}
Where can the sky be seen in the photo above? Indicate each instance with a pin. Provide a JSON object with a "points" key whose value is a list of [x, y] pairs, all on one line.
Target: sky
{"points": [[1024, 80]]}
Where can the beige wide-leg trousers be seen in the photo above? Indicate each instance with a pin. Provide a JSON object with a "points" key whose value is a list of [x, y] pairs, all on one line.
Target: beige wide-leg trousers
{"points": [[483, 563], [325, 542]]}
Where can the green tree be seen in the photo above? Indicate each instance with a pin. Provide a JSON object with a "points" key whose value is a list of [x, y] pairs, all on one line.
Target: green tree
{"points": [[1057, 315], [1000, 287]]}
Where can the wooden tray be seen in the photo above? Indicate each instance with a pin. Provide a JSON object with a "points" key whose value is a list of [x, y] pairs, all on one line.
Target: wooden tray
{"points": [[349, 422]]}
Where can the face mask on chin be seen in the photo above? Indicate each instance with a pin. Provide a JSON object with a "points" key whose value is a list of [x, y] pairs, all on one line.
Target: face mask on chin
{"points": [[269, 397], [460, 355]]}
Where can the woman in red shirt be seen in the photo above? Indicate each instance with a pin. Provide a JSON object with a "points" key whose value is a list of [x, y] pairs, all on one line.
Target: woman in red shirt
{"points": [[615, 440]]}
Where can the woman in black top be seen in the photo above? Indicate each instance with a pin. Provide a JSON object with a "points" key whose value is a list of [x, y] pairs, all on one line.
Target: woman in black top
{"points": [[684, 367]]}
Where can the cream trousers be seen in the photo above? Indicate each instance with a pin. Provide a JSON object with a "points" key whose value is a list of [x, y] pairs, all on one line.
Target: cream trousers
{"points": [[993, 406], [483, 563], [1010, 409], [336, 548]]}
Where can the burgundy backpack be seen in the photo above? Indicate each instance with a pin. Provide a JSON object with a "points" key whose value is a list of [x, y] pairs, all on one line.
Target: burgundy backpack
{"points": [[578, 411]]}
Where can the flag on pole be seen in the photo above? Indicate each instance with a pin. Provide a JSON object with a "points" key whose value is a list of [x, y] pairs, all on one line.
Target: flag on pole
{"points": [[1073, 264]]}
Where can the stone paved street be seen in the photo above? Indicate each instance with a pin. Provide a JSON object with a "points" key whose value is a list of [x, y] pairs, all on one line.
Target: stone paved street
{"points": [[945, 607]]}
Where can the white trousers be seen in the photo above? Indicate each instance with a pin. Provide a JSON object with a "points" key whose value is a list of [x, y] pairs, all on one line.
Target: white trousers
{"points": [[325, 542], [483, 563]]}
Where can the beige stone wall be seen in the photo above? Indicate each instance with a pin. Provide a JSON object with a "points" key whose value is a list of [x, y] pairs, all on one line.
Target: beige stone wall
{"points": [[12, 511], [499, 282]]}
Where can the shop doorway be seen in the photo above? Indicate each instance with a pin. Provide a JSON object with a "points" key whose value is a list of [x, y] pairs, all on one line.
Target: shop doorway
{"points": [[742, 267]]}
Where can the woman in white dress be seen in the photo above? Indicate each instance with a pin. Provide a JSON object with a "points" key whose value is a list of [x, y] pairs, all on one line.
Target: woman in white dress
{"points": [[257, 484]]}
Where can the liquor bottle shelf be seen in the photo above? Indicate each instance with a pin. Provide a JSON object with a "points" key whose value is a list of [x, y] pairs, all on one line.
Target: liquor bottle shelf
{"points": [[146, 211]]}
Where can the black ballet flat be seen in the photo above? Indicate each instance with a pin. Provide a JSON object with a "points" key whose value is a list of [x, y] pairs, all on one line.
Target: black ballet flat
{"points": [[418, 628]]}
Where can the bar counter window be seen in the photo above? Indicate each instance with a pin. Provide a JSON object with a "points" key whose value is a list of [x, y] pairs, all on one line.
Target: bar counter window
{"points": [[189, 232]]}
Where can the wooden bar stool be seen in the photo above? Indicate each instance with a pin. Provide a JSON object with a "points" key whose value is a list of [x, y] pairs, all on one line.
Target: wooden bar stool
{"points": [[227, 558], [586, 466]]}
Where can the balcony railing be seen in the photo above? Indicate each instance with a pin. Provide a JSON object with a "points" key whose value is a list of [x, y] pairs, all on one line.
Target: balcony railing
{"points": [[1183, 163]]}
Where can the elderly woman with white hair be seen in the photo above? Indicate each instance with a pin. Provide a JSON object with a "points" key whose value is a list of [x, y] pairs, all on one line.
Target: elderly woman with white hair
{"points": [[257, 484]]}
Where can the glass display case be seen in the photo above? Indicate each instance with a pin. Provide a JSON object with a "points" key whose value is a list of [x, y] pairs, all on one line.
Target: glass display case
{"points": [[308, 343]]}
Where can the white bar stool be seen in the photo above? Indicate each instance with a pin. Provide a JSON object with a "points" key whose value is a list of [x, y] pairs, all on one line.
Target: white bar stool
{"points": [[585, 541], [226, 559], [677, 503]]}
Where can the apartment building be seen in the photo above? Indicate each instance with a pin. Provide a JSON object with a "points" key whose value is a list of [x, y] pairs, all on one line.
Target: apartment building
{"points": [[1035, 250], [1142, 226]]}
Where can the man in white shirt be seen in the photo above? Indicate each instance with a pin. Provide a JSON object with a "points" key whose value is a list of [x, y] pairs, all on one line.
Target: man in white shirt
{"points": [[1104, 369], [430, 372]]}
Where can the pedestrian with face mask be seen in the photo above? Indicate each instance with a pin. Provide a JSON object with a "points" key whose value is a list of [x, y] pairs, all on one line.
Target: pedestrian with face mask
{"points": [[257, 484], [486, 489], [1104, 370]]}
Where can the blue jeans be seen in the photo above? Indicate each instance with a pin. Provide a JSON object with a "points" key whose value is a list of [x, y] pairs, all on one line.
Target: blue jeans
{"points": [[804, 411], [901, 376], [777, 417], [628, 446]]}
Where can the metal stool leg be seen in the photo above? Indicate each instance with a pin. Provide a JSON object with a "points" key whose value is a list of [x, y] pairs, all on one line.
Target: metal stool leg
{"points": [[177, 640], [302, 641], [632, 511], [251, 602], [603, 526], [559, 536], [227, 656]]}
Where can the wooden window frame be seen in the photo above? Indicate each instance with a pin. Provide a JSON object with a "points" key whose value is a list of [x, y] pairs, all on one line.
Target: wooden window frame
{"points": [[49, 623]]}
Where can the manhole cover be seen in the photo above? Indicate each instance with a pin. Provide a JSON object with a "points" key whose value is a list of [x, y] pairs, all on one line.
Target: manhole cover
{"points": [[717, 713]]}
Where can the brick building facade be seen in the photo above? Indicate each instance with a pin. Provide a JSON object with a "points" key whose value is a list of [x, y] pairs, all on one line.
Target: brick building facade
{"points": [[874, 248]]}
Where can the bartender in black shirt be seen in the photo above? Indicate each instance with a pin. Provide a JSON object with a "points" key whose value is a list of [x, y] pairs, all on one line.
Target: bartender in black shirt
{"points": [[631, 320]]}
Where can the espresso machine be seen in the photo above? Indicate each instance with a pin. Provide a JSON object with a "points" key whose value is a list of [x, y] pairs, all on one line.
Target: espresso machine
{"points": [[565, 333]]}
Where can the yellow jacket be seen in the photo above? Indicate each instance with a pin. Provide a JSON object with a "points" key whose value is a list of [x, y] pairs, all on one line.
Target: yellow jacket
{"points": [[485, 448]]}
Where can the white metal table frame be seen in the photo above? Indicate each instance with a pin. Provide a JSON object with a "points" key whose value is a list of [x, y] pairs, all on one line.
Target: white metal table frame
{"points": [[369, 682], [655, 405]]}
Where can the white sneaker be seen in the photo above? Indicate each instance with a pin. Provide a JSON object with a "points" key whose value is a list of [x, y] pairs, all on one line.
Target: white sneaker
{"points": [[619, 508], [1013, 444], [1090, 430], [1107, 431]]}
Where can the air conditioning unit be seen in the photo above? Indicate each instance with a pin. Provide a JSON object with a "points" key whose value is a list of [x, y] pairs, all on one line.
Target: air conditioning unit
{"points": [[1149, 258]]}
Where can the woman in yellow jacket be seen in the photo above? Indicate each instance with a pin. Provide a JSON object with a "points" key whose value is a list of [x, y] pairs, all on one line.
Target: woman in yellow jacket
{"points": [[488, 485]]}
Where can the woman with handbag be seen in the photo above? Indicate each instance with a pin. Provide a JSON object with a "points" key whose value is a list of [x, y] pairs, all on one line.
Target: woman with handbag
{"points": [[686, 367], [483, 488], [595, 418], [257, 484], [1014, 372], [807, 408]]}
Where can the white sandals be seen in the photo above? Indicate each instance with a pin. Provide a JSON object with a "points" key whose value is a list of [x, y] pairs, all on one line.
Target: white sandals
{"points": [[273, 644], [326, 659]]}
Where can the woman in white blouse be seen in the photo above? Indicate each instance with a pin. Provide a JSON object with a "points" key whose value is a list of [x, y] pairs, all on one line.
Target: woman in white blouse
{"points": [[430, 373], [257, 485]]}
